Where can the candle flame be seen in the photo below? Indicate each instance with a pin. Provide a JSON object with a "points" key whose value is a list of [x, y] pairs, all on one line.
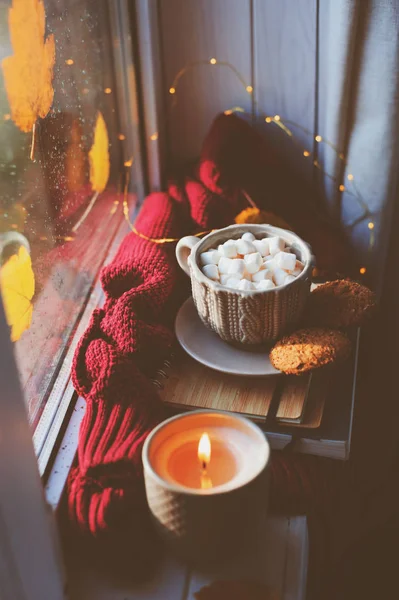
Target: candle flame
{"points": [[204, 450]]}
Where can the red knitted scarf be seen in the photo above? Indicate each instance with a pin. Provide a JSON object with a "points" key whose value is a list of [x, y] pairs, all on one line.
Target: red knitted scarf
{"points": [[129, 337]]}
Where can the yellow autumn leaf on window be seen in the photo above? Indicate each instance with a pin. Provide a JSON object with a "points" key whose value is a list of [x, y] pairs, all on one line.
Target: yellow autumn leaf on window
{"points": [[17, 283], [99, 156], [28, 73]]}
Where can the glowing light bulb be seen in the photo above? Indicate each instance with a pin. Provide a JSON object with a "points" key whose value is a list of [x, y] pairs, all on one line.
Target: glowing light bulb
{"points": [[318, 138], [228, 112], [306, 153], [69, 61], [370, 225], [350, 177], [363, 270], [277, 117], [172, 90], [107, 91], [213, 61], [268, 119], [121, 137], [154, 137], [341, 188], [249, 89]]}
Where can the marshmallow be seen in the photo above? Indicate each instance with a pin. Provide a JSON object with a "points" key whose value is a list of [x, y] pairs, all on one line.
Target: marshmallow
{"points": [[276, 244], [224, 278], [229, 249], [248, 236], [237, 268], [268, 259], [279, 276], [265, 284], [224, 264], [211, 257], [211, 271], [246, 285], [262, 246], [245, 247], [220, 249], [233, 282], [261, 275], [253, 262], [298, 268], [270, 265], [285, 260], [289, 279]]}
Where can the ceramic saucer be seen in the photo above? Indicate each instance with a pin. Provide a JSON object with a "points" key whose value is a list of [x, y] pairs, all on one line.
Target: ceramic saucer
{"points": [[207, 347]]}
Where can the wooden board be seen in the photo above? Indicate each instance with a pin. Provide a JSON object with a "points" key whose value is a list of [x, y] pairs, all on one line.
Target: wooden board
{"points": [[293, 397], [315, 401], [190, 385]]}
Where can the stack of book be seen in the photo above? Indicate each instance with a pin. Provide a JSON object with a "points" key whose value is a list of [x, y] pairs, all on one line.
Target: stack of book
{"points": [[312, 412]]}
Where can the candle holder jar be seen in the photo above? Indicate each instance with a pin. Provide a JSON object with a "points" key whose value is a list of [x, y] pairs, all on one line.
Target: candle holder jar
{"points": [[208, 523]]}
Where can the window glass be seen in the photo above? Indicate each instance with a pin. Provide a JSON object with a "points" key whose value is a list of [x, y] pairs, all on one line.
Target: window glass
{"points": [[62, 167]]}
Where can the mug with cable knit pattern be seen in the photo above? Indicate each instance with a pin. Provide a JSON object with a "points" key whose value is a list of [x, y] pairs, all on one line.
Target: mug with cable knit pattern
{"points": [[246, 317]]}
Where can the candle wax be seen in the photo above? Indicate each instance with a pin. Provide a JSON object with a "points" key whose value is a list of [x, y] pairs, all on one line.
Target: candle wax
{"points": [[185, 468], [236, 453]]}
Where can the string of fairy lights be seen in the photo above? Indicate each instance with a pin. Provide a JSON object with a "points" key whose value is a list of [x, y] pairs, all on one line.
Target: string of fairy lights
{"points": [[347, 185]]}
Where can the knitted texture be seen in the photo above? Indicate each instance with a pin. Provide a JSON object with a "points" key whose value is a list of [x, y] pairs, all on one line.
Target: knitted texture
{"points": [[132, 334], [256, 318]]}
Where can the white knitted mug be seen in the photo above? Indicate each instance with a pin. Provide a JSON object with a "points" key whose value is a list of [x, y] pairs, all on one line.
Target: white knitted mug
{"points": [[246, 317]]}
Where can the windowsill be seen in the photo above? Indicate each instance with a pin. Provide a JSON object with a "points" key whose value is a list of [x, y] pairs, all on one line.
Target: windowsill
{"points": [[48, 445], [57, 477]]}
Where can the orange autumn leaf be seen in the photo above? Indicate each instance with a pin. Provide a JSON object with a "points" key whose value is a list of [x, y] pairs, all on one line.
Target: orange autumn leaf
{"points": [[28, 73], [17, 283], [99, 156]]}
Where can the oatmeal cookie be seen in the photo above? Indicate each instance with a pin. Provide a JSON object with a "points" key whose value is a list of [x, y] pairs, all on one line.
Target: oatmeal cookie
{"points": [[340, 303], [308, 349]]}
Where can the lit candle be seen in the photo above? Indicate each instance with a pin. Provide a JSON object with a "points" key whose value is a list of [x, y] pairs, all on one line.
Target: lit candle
{"points": [[181, 455], [206, 481]]}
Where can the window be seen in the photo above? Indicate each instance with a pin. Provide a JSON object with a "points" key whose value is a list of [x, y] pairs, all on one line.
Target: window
{"points": [[64, 159]]}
